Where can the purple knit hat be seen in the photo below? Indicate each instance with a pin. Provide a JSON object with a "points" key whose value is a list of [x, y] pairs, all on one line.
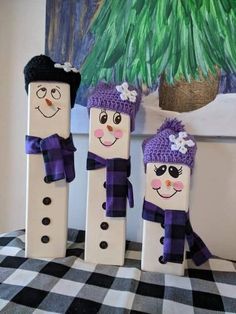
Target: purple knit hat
{"points": [[171, 144], [123, 98]]}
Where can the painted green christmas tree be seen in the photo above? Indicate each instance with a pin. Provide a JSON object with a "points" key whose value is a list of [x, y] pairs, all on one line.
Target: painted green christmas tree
{"points": [[138, 40]]}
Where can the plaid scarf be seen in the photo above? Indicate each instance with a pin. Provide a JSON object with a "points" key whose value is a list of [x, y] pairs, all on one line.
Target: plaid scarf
{"points": [[118, 187], [177, 227], [58, 155]]}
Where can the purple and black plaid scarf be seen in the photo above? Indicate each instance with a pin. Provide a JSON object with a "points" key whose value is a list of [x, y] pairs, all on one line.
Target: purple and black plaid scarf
{"points": [[58, 155], [118, 187], [177, 227]]}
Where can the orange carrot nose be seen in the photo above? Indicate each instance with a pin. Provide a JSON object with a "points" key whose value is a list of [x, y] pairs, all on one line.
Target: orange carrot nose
{"points": [[168, 183], [110, 128], [48, 101]]}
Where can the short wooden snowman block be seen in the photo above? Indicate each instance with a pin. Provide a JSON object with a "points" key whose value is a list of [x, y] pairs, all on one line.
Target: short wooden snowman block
{"points": [[166, 225], [109, 168], [167, 185], [50, 163]]}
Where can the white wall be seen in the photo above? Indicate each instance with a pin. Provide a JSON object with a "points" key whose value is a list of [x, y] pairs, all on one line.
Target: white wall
{"points": [[213, 201], [22, 25]]}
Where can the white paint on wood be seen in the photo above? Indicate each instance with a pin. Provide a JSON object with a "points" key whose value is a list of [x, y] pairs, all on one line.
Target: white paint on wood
{"points": [[215, 119], [115, 235], [42, 123], [160, 191]]}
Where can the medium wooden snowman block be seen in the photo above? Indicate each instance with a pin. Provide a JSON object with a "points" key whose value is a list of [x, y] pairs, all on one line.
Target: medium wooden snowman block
{"points": [[51, 89], [169, 160], [112, 113]]}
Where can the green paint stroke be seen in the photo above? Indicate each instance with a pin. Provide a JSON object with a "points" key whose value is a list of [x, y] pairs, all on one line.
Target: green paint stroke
{"points": [[138, 40]]}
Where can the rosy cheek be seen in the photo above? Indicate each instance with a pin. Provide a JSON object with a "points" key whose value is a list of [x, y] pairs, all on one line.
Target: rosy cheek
{"points": [[98, 133], [118, 133], [156, 184], [178, 185]]}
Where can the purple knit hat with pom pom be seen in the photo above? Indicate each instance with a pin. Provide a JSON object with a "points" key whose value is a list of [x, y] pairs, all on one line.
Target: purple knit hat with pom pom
{"points": [[171, 144], [123, 98]]}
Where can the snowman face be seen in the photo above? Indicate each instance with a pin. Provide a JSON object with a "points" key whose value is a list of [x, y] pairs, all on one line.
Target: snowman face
{"points": [[49, 107], [168, 184], [48, 98], [109, 131]]}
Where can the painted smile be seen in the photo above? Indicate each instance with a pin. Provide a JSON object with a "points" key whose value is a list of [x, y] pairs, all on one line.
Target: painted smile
{"points": [[46, 115], [165, 195], [107, 144]]}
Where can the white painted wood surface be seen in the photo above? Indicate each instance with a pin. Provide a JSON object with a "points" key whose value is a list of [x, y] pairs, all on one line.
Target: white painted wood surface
{"points": [[37, 189], [166, 198], [115, 235], [215, 119]]}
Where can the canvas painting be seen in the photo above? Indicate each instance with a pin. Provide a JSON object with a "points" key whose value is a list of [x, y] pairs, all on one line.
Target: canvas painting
{"points": [[154, 45]]}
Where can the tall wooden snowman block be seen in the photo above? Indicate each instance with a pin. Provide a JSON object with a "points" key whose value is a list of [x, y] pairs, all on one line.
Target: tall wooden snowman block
{"points": [[112, 113], [169, 159], [51, 89]]}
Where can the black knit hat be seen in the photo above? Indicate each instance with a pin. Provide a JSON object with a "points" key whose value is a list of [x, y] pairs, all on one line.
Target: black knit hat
{"points": [[42, 68]]}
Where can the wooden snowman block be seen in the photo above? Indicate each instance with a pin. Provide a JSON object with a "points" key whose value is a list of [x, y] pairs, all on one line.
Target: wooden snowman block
{"points": [[166, 224], [108, 187], [166, 191], [50, 164]]}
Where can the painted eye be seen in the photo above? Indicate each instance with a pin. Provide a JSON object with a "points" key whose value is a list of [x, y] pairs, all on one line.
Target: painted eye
{"points": [[103, 117], [117, 118], [41, 92], [160, 170], [174, 172], [55, 93]]}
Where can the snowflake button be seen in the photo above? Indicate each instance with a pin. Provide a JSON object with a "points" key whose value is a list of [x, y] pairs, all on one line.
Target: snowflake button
{"points": [[180, 143], [67, 67], [125, 93]]}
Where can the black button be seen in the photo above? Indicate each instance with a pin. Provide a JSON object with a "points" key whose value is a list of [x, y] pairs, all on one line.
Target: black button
{"points": [[104, 184], [46, 221], [45, 239], [162, 225], [103, 245], [161, 260], [162, 240], [47, 201], [104, 225], [103, 204], [46, 180]]}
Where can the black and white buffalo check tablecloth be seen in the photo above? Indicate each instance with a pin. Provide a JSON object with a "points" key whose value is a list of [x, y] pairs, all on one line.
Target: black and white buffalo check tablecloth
{"points": [[69, 285]]}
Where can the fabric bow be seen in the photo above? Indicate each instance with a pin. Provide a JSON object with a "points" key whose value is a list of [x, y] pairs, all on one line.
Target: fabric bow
{"points": [[58, 155], [177, 227], [118, 187]]}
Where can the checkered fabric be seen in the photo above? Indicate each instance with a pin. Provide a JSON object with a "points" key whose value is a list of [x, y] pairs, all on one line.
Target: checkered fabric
{"points": [[58, 155], [177, 228], [118, 187], [69, 285]]}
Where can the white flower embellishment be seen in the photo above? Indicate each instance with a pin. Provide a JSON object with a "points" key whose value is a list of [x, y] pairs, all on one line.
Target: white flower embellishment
{"points": [[125, 93], [180, 143], [67, 67]]}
